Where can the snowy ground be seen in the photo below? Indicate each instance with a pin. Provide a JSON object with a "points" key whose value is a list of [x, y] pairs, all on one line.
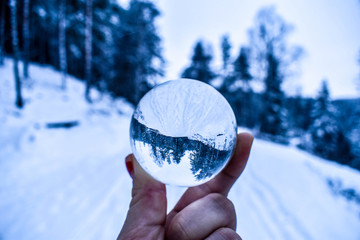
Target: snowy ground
{"points": [[72, 183]]}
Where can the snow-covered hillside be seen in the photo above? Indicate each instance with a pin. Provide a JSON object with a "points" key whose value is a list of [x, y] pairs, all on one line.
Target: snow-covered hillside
{"points": [[72, 183]]}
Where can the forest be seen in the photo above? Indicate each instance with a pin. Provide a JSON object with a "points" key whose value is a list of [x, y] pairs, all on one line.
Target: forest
{"points": [[118, 51]]}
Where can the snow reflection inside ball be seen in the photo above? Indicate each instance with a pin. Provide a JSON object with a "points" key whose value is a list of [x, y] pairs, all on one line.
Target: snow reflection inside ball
{"points": [[183, 132]]}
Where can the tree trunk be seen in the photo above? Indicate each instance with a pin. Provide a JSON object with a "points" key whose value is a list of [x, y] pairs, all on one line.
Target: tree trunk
{"points": [[88, 48], [26, 37], [2, 32], [62, 43], [15, 43]]}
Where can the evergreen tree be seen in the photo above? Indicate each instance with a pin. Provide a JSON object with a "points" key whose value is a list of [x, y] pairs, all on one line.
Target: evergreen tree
{"points": [[225, 50], [299, 113], [15, 44], [242, 73], [237, 90], [139, 60], [44, 32], [242, 68], [328, 139], [26, 37], [111, 48], [88, 47], [106, 23], [273, 113], [273, 59], [355, 136], [199, 68], [62, 42], [2, 31]]}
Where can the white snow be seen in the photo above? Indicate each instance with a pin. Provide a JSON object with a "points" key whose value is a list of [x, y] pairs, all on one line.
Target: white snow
{"points": [[186, 108], [73, 184]]}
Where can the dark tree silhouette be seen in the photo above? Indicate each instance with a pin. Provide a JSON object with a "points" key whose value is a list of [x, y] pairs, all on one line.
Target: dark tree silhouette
{"points": [[88, 47], [273, 61], [26, 37], [272, 116], [138, 61], [242, 68], [15, 44], [2, 31], [199, 68], [225, 50], [328, 138], [113, 49], [205, 160], [62, 42], [236, 89]]}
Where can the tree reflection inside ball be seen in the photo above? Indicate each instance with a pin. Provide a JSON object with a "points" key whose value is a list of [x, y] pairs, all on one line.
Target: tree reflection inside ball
{"points": [[183, 132]]}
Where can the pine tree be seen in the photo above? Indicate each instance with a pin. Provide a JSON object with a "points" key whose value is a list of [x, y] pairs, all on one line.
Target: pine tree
{"points": [[272, 62], [26, 37], [88, 48], [242, 68], [62, 42], [355, 136], [299, 113], [111, 48], [242, 73], [272, 115], [2, 31], [328, 139], [15, 44], [138, 59], [225, 50], [199, 68]]}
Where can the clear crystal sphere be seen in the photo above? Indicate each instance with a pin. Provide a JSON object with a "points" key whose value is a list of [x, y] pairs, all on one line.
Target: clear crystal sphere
{"points": [[183, 132]]}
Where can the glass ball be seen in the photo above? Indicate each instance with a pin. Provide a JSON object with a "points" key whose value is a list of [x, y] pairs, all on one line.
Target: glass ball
{"points": [[183, 132]]}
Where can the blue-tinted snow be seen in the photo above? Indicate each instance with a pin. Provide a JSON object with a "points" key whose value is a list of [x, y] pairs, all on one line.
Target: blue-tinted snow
{"points": [[72, 183]]}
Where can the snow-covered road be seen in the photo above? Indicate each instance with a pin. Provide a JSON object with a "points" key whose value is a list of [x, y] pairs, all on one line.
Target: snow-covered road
{"points": [[72, 183]]}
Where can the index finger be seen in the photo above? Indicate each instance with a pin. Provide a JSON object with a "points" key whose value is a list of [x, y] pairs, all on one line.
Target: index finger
{"points": [[223, 182]]}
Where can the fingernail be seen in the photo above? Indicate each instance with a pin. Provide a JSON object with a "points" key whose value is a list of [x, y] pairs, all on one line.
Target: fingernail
{"points": [[129, 166]]}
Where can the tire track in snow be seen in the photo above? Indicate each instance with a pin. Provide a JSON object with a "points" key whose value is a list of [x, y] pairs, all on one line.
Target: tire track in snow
{"points": [[277, 219], [262, 216], [95, 215]]}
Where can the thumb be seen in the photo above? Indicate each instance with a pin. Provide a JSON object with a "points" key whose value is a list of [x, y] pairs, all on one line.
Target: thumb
{"points": [[147, 214]]}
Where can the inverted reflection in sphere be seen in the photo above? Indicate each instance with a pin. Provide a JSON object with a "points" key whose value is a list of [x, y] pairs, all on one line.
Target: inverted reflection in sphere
{"points": [[183, 132]]}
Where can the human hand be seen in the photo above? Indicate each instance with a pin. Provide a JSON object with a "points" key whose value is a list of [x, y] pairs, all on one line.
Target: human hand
{"points": [[202, 212]]}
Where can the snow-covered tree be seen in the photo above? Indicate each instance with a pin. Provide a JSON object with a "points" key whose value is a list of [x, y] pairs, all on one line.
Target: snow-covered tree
{"points": [[113, 49], [355, 137], [15, 44], [328, 139], [273, 59], [138, 57], [199, 68]]}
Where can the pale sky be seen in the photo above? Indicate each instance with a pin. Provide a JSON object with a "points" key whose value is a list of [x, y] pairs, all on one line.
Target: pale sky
{"points": [[328, 30]]}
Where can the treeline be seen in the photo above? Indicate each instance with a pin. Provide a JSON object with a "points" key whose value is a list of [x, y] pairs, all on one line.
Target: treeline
{"points": [[118, 50], [318, 125], [115, 50]]}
